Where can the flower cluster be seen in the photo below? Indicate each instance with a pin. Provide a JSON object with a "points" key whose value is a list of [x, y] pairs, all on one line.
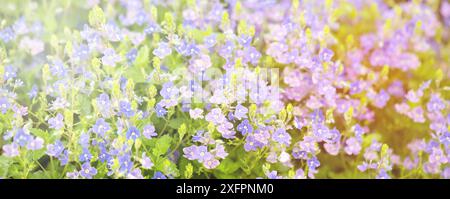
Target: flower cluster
{"points": [[225, 89]]}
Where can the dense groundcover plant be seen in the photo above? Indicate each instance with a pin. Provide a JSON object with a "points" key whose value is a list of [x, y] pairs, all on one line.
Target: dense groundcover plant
{"points": [[224, 89]]}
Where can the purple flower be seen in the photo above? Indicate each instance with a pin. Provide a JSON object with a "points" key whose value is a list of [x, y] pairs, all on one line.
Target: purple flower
{"points": [[85, 156], [353, 146], [251, 55], [168, 91], [359, 131], [383, 175], [152, 28], [219, 151], [87, 171], [149, 131], [36, 144], [210, 41], [131, 55], [55, 149], [56, 122], [313, 163], [133, 133], [159, 175], [215, 116], [446, 173], [162, 50], [273, 175], [191, 153], [101, 127], [332, 136], [125, 163], [11, 150], [110, 58], [146, 162], [4, 105], [282, 137], [191, 50], [73, 175], [326, 55], [10, 72], [7, 34], [84, 139], [245, 40], [203, 154], [240, 112], [160, 111], [33, 92], [211, 163], [435, 104], [250, 143], [104, 105], [300, 174], [125, 109], [64, 157], [199, 63], [57, 68], [381, 99], [22, 138], [245, 127], [135, 174], [226, 50], [445, 139], [437, 156], [196, 113], [226, 129]]}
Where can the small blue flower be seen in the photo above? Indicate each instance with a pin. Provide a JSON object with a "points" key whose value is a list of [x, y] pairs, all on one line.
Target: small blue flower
{"points": [[159, 175], [125, 163], [10, 72], [245, 127], [131, 55], [282, 137], [4, 105], [152, 28], [133, 133], [35, 144], [22, 138], [125, 109], [84, 139], [313, 163], [168, 91], [240, 112], [64, 157], [57, 68], [56, 122], [33, 92], [87, 171], [101, 127], [210, 41], [85, 156], [104, 104], [162, 50], [55, 149], [160, 111], [149, 131], [7, 34]]}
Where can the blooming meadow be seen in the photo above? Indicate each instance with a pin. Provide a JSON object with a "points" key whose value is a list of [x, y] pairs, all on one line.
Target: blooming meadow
{"points": [[224, 89]]}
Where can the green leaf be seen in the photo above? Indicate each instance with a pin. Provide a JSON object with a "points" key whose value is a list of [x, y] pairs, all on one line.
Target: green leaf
{"points": [[228, 166], [143, 57], [96, 17], [182, 131], [5, 162], [189, 170], [162, 145]]}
